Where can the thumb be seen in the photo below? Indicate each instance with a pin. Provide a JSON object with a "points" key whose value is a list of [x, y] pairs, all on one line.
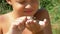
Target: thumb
{"points": [[19, 20], [43, 23]]}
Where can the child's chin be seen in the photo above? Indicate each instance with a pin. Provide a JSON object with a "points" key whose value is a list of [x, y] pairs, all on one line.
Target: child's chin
{"points": [[28, 15]]}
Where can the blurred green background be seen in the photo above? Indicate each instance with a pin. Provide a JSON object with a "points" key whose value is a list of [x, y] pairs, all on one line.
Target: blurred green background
{"points": [[53, 7]]}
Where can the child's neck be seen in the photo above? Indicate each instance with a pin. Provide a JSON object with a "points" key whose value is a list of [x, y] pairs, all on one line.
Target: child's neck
{"points": [[14, 15]]}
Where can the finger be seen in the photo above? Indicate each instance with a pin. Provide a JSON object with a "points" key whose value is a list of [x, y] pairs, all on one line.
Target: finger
{"points": [[32, 23], [19, 20], [45, 20], [37, 25], [28, 24], [33, 26], [21, 25], [29, 17], [43, 23], [23, 21]]}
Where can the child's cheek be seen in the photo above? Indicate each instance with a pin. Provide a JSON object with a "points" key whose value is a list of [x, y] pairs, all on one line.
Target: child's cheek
{"points": [[18, 7]]}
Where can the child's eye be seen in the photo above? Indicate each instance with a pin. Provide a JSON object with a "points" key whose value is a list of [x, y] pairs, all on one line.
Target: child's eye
{"points": [[23, 2]]}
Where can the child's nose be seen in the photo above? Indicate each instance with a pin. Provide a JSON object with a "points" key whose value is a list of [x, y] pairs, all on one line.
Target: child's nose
{"points": [[28, 6]]}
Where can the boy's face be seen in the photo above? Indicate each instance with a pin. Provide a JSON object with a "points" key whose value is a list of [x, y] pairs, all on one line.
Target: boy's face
{"points": [[25, 7]]}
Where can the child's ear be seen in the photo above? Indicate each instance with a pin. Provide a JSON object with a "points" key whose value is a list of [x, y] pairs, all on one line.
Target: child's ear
{"points": [[9, 2]]}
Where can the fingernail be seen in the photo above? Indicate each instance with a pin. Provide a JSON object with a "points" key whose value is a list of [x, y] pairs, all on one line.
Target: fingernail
{"points": [[41, 23], [44, 20], [23, 17], [29, 17], [28, 21], [34, 21]]}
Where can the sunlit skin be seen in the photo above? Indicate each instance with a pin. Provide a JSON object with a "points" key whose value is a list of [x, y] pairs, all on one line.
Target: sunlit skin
{"points": [[24, 7], [15, 22]]}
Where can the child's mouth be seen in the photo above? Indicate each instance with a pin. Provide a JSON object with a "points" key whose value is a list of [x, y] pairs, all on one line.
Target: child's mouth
{"points": [[28, 11]]}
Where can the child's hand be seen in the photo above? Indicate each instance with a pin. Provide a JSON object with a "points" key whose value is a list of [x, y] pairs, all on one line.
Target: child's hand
{"points": [[17, 26], [35, 27]]}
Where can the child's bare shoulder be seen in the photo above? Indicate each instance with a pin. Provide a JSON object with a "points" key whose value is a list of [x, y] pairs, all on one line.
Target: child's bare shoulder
{"points": [[3, 18], [1, 21]]}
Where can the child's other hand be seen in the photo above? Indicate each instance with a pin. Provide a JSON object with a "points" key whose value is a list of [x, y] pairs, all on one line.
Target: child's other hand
{"points": [[35, 27], [17, 26]]}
